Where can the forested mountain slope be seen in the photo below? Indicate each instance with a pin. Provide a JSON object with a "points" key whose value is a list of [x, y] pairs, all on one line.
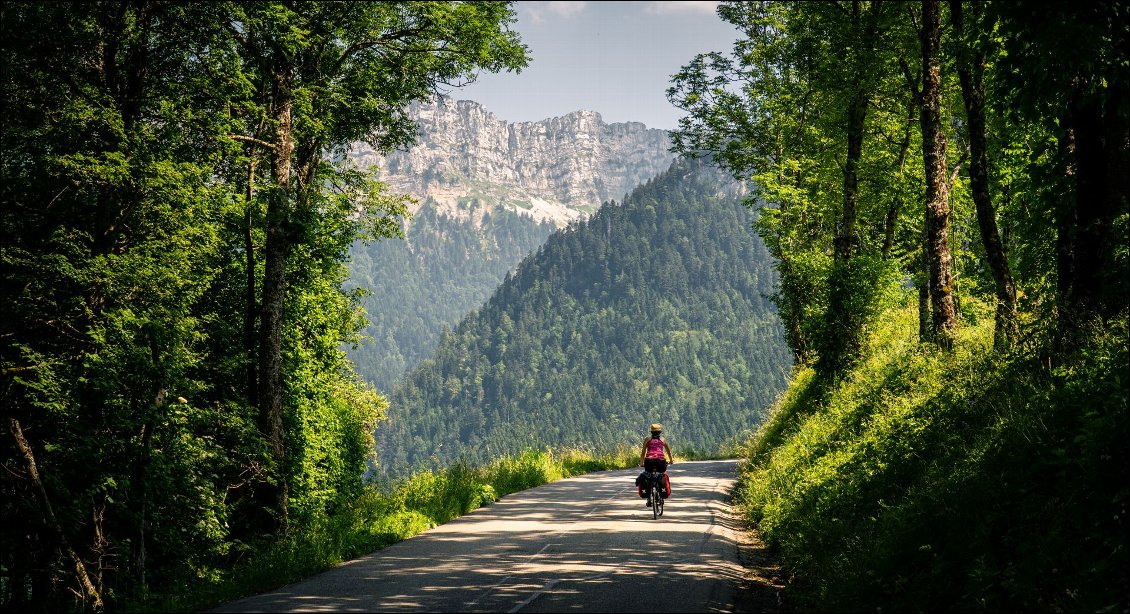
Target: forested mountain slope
{"points": [[487, 193], [443, 269], [656, 309]]}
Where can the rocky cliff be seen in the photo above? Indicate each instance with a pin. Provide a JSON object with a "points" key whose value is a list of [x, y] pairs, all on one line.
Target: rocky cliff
{"points": [[468, 161]]}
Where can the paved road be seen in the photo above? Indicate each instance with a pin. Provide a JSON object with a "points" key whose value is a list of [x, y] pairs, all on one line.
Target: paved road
{"points": [[586, 544]]}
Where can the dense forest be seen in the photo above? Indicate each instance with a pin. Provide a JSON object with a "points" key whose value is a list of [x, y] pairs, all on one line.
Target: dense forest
{"points": [[941, 197], [945, 192], [654, 309], [444, 268], [176, 220]]}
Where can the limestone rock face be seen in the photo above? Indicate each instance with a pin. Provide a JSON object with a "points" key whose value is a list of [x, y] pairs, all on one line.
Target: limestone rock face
{"points": [[468, 161]]}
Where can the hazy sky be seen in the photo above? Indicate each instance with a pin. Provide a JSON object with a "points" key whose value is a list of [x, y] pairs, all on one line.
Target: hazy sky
{"points": [[615, 58]]}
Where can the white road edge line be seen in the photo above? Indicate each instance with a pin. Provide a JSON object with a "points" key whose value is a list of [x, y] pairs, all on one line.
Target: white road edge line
{"points": [[538, 593], [490, 589]]}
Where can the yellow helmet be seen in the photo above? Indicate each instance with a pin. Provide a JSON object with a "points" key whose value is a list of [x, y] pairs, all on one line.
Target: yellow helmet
{"points": [[656, 428]]}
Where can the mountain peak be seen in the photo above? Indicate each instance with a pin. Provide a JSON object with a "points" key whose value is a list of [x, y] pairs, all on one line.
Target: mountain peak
{"points": [[468, 161], [462, 103]]}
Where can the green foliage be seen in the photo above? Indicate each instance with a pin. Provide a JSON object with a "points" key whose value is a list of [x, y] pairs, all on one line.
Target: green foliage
{"points": [[776, 112], [134, 227], [860, 289], [965, 480], [652, 310], [795, 404]]}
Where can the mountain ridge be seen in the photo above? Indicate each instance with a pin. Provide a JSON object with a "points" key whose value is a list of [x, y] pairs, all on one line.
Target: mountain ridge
{"points": [[558, 169], [488, 192]]}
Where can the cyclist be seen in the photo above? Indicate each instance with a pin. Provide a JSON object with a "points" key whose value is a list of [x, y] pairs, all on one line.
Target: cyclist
{"points": [[653, 457]]}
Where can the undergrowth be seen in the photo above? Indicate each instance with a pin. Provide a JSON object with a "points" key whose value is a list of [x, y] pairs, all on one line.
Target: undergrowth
{"points": [[960, 480]]}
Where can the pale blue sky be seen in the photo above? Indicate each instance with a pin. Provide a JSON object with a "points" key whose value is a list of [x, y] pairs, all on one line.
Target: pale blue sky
{"points": [[615, 58]]}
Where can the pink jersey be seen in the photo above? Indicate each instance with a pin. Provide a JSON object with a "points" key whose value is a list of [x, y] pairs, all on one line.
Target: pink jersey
{"points": [[654, 448]]}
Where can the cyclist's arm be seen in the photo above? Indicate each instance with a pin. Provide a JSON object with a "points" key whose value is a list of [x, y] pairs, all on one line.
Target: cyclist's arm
{"points": [[670, 454], [643, 452]]}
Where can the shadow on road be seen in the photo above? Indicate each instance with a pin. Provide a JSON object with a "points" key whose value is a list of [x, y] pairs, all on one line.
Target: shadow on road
{"points": [[587, 544]]}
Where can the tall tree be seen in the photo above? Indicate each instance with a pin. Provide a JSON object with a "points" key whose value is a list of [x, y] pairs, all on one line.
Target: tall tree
{"points": [[793, 109], [108, 230], [325, 76], [1064, 70], [971, 61], [861, 23], [938, 256], [862, 26]]}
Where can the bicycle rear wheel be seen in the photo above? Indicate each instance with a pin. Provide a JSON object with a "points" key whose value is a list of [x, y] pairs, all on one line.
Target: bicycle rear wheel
{"points": [[656, 500]]}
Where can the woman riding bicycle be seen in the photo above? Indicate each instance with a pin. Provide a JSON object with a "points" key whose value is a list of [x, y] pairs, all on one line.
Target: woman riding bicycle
{"points": [[654, 455]]}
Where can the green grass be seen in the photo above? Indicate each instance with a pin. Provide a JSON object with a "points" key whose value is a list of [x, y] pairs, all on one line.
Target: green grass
{"points": [[968, 480], [688, 453], [381, 517]]}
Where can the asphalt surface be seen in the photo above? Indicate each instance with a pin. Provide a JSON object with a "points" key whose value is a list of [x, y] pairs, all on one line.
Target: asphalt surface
{"points": [[585, 544]]}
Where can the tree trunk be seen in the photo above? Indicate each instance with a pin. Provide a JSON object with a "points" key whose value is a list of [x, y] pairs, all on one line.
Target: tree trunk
{"points": [[143, 494], [843, 342], [891, 222], [971, 71], [89, 591], [1065, 223], [840, 347], [249, 345], [845, 238], [889, 227], [276, 254], [1117, 133], [1100, 139], [944, 315], [791, 317]]}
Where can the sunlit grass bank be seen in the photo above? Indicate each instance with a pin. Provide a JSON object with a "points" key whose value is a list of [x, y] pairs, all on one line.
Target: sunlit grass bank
{"points": [[384, 516], [928, 481]]}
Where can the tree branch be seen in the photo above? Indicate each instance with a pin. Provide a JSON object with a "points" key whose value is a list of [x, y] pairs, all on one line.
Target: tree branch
{"points": [[251, 139], [957, 167], [911, 81]]}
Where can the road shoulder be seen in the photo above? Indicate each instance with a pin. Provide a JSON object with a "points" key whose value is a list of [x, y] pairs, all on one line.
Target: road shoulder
{"points": [[760, 588]]}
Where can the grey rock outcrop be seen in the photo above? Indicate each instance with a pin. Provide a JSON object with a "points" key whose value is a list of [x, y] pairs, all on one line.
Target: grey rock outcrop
{"points": [[468, 161]]}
